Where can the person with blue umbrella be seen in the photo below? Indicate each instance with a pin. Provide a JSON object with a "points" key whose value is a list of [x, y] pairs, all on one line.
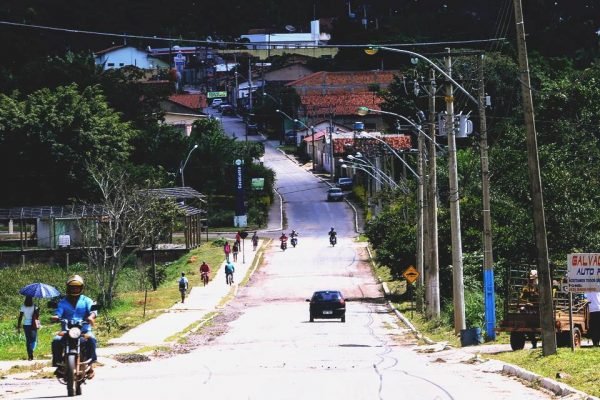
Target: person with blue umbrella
{"points": [[29, 313]]}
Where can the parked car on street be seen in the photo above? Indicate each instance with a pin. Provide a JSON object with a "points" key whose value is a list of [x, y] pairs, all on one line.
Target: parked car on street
{"points": [[251, 129], [345, 183], [227, 109], [335, 194], [216, 103], [327, 304]]}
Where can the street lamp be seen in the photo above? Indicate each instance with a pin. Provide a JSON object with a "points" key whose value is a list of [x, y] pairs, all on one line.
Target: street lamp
{"points": [[381, 176], [283, 132], [388, 180], [362, 111], [185, 163], [457, 262], [488, 276], [312, 138], [394, 152]]}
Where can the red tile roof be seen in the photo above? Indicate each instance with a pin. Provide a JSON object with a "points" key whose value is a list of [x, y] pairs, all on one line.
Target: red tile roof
{"points": [[344, 78], [192, 101], [341, 93], [340, 103], [396, 142]]}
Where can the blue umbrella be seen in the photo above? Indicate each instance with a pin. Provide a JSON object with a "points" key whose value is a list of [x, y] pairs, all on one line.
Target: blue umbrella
{"points": [[39, 290]]}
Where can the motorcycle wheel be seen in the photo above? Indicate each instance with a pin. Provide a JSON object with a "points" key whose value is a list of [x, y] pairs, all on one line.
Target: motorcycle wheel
{"points": [[71, 375]]}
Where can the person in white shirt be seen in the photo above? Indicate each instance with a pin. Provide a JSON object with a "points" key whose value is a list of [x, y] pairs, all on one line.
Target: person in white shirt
{"points": [[594, 299], [27, 315]]}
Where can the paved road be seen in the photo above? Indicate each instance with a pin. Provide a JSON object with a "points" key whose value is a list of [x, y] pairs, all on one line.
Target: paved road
{"points": [[263, 346]]}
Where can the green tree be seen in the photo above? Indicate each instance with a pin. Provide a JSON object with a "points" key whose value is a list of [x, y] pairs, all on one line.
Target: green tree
{"points": [[48, 138]]}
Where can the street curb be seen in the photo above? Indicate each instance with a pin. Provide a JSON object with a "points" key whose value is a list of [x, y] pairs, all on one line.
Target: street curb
{"points": [[558, 388]]}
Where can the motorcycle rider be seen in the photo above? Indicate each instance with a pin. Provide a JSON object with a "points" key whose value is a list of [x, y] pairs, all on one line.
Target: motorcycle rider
{"points": [[204, 269], [332, 235], [75, 306], [283, 238], [294, 236]]}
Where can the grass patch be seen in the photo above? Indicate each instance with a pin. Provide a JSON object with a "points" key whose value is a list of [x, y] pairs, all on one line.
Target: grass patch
{"points": [[581, 366], [128, 307]]}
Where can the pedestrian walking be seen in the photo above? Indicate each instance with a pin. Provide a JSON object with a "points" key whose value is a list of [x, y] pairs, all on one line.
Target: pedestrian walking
{"points": [[229, 270], [254, 241], [594, 299], [183, 286], [227, 250], [29, 315], [235, 251], [238, 239]]}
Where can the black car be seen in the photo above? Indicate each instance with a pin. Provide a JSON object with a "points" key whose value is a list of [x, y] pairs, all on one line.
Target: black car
{"points": [[327, 304], [251, 129], [227, 109]]}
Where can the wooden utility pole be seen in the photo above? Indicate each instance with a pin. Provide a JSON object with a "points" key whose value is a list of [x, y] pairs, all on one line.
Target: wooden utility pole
{"points": [[488, 258], [533, 163], [421, 230], [454, 199], [432, 278]]}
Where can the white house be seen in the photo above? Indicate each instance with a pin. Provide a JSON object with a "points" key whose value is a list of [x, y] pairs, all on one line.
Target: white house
{"points": [[123, 56], [288, 40]]}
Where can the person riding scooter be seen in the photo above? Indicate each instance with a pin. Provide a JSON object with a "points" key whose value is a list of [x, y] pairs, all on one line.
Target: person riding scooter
{"points": [[75, 306], [294, 238], [283, 238], [332, 236]]}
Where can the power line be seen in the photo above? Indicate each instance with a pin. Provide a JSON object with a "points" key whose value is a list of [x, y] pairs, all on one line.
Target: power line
{"points": [[209, 42]]}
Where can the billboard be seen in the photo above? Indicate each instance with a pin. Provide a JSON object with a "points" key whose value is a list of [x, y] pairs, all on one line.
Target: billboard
{"points": [[583, 270]]}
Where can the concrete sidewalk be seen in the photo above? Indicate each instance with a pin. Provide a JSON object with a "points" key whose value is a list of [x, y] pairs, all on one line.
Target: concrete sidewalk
{"points": [[201, 301]]}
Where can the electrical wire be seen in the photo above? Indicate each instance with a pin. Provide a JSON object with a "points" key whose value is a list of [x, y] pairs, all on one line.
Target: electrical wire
{"points": [[210, 42]]}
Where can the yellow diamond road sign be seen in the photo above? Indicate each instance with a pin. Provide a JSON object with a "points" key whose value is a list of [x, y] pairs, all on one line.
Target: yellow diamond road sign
{"points": [[410, 274]]}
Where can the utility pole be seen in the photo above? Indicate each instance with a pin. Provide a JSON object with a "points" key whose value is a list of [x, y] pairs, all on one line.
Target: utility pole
{"points": [[420, 216], [454, 197], [236, 94], [432, 278], [331, 147], [488, 257], [249, 85], [533, 163]]}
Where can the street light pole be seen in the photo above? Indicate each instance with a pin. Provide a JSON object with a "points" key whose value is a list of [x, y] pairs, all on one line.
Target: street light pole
{"points": [[432, 291], [312, 129], [185, 163], [454, 200]]}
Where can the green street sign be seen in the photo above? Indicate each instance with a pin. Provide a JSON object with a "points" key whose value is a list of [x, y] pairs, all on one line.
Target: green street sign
{"points": [[258, 183], [214, 95]]}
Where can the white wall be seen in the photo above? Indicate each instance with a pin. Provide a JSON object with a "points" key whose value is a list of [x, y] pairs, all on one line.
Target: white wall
{"points": [[125, 56]]}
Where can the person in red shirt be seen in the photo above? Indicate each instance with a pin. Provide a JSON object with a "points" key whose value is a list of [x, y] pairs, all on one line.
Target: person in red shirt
{"points": [[204, 272], [227, 250]]}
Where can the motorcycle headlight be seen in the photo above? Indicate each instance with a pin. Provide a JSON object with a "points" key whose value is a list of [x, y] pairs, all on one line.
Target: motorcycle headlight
{"points": [[74, 333]]}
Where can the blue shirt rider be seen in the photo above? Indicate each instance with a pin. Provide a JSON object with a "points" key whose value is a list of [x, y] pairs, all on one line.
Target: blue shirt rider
{"points": [[75, 306]]}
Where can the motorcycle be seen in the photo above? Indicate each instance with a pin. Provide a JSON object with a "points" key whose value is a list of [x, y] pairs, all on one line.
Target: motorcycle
{"points": [[294, 241], [74, 368], [333, 240], [283, 245]]}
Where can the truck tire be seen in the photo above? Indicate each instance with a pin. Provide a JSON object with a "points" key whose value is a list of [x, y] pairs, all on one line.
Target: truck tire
{"points": [[577, 337], [517, 340]]}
